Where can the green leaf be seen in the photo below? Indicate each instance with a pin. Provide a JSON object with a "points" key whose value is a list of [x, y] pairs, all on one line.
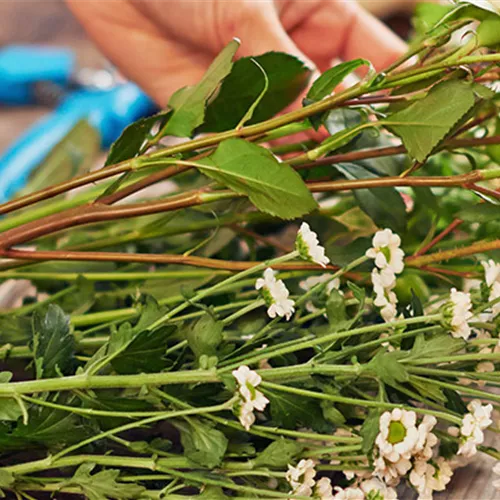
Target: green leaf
{"points": [[144, 352], [251, 110], [439, 345], [81, 299], [202, 444], [129, 144], [52, 344], [6, 478], [332, 414], [287, 77], [429, 390], [386, 367], [248, 169], [426, 122], [488, 32], [336, 312], [279, 453], [455, 402], [384, 205], [103, 485], [204, 336], [212, 493], [428, 14], [327, 82], [291, 411], [369, 430], [189, 103], [482, 212], [9, 409]]}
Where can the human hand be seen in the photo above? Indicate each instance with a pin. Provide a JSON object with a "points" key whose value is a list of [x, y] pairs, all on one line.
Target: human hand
{"points": [[167, 44]]}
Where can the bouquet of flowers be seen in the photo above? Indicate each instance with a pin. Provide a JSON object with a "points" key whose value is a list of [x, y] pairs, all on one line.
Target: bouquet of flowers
{"points": [[309, 317]]}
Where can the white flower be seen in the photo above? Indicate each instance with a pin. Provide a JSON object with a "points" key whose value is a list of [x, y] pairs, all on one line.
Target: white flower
{"points": [[307, 244], [324, 489], [246, 415], [301, 478], [473, 424], [251, 398], [492, 278], [386, 251], [398, 434], [426, 439], [378, 487], [275, 293], [491, 272], [348, 494], [391, 472], [427, 477], [385, 298], [496, 470], [459, 309]]}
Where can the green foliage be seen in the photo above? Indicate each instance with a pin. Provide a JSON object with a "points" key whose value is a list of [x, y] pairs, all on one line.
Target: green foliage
{"points": [[481, 213], [387, 368], [287, 77], [332, 77], [102, 485], [131, 140], [369, 430], [189, 103], [204, 336], [253, 171], [202, 444], [384, 205], [426, 122], [279, 453], [52, 343]]}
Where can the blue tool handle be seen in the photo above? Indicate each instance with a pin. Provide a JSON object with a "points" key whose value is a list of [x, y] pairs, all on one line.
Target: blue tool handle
{"points": [[30, 150], [22, 66], [108, 111]]}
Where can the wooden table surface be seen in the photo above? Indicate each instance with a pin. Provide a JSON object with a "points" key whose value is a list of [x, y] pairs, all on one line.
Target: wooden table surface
{"points": [[50, 22]]}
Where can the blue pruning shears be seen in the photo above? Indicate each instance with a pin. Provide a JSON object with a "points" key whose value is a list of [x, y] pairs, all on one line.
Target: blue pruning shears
{"points": [[28, 74]]}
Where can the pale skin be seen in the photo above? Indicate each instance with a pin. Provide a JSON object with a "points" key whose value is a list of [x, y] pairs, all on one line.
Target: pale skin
{"points": [[167, 44]]}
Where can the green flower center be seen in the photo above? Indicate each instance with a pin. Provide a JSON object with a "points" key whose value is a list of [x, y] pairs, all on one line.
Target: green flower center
{"points": [[266, 295], [397, 432], [387, 253], [302, 247]]}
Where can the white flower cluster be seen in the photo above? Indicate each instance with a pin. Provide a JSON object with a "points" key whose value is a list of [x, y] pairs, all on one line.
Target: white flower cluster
{"points": [[275, 293], [492, 278], [458, 313], [389, 261], [473, 425], [301, 478], [251, 398], [403, 446], [307, 244], [372, 488]]}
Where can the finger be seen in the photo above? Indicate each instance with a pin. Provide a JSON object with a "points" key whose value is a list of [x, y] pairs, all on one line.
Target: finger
{"points": [[139, 48], [327, 29], [369, 38]]}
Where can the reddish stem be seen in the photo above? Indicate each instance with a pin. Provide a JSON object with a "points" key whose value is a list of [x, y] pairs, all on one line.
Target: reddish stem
{"points": [[439, 237]]}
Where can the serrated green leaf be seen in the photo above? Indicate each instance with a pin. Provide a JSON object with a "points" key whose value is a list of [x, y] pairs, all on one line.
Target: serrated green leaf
{"points": [[212, 493], [81, 299], [102, 485], [384, 205], [327, 82], [369, 430], [387, 368], [291, 411], [9, 409], [428, 390], [129, 143], [439, 345], [426, 122], [279, 453], [248, 169], [336, 312], [53, 345], [189, 103], [287, 77], [202, 444], [204, 336]]}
